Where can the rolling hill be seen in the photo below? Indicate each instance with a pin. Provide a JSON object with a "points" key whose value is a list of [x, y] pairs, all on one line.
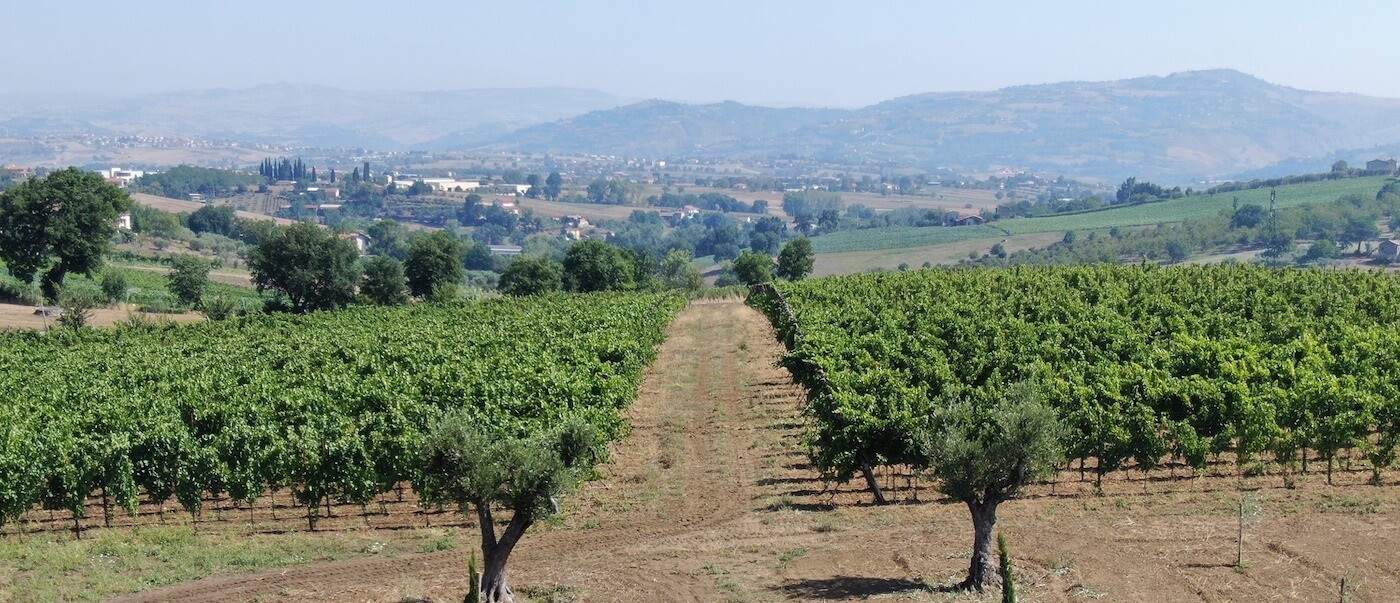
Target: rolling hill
{"points": [[1182, 126]]}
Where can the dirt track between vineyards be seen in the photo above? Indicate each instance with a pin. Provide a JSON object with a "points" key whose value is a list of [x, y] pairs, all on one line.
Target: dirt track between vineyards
{"points": [[710, 499]]}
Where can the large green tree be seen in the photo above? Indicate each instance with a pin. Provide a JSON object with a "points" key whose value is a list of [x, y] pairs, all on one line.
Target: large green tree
{"points": [[753, 267], [796, 259], [383, 282], [434, 263], [188, 278], [313, 268], [983, 455], [219, 220], [531, 275], [593, 265], [679, 272], [63, 223]]}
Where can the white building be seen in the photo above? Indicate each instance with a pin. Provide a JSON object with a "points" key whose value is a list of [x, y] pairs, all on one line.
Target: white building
{"points": [[121, 177]]}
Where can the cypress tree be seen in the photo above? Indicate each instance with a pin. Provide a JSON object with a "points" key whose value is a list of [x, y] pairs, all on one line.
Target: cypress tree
{"points": [[1008, 586]]}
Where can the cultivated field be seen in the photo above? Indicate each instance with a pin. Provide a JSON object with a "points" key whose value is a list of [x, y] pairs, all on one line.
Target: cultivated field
{"points": [[177, 206], [710, 498], [877, 247]]}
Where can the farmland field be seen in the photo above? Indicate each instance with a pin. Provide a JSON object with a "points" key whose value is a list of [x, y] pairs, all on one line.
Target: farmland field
{"points": [[899, 237], [1197, 207], [711, 498], [329, 405], [1177, 210]]}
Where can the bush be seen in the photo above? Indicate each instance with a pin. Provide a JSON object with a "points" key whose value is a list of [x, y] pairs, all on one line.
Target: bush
{"points": [[113, 286], [77, 304], [15, 291], [217, 307]]}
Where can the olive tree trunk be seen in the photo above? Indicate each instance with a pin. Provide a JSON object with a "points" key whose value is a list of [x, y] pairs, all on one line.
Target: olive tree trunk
{"points": [[983, 570], [869, 473], [495, 552]]}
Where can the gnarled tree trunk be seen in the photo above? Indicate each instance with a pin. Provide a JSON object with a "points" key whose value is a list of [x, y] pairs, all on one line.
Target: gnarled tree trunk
{"points": [[495, 584], [983, 569], [869, 473]]}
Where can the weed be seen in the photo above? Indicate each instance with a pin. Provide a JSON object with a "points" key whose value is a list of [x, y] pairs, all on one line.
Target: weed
{"points": [[790, 555], [551, 594]]}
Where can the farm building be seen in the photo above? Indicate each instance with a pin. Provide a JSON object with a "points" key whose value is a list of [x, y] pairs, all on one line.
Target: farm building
{"points": [[1381, 165], [506, 250], [360, 240], [958, 219], [1390, 248], [451, 184]]}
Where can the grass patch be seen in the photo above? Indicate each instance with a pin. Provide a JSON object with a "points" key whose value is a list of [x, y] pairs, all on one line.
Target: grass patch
{"points": [[106, 563], [550, 594]]}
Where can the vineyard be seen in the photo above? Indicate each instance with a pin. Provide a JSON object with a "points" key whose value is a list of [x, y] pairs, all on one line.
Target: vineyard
{"points": [[1147, 366], [331, 406]]}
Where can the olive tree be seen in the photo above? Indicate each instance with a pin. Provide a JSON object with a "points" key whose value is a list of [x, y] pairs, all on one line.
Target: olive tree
{"points": [[464, 463], [983, 455]]}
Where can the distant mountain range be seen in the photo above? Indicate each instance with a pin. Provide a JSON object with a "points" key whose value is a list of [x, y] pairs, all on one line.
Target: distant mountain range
{"points": [[1182, 126], [1179, 127]]}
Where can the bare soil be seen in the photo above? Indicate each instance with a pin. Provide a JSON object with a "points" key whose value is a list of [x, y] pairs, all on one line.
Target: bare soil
{"points": [[711, 498], [19, 316]]}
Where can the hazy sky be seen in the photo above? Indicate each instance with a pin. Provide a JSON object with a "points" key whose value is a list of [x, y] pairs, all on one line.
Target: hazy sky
{"points": [[808, 52]]}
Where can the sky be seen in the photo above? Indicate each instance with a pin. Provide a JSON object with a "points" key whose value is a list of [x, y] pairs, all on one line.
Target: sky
{"points": [[774, 52]]}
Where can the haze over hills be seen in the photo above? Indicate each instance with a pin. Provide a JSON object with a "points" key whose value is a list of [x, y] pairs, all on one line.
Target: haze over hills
{"points": [[307, 115], [1184, 126]]}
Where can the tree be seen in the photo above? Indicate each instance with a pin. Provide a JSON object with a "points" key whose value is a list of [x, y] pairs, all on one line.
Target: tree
{"points": [[218, 220], [1178, 251], [434, 262], [388, 238], [1359, 229], [60, 224], [678, 271], [983, 455], [553, 186], [314, 269], [383, 282], [1008, 583], [753, 268], [796, 259], [593, 265], [473, 469], [535, 186], [531, 275], [1249, 216], [1340, 166], [188, 279], [1321, 249]]}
